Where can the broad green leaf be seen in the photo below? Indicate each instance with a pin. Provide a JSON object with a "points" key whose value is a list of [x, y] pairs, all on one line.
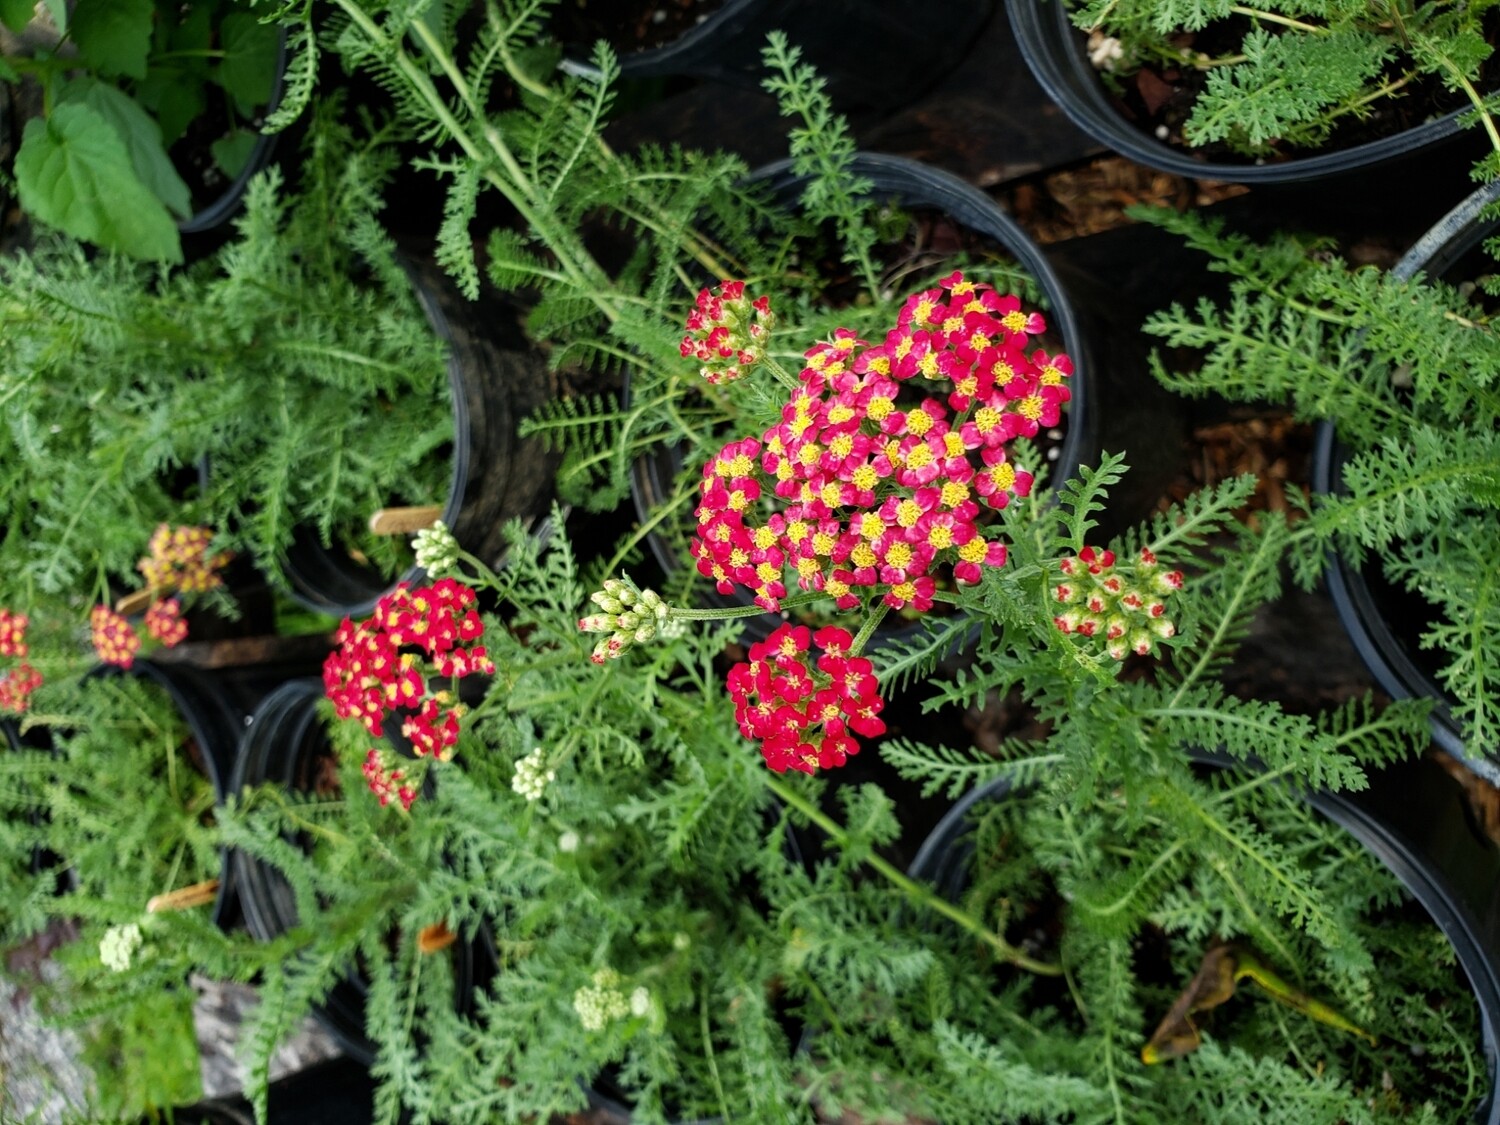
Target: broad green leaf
{"points": [[142, 140], [249, 66], [175, 97], [16, 14], [73, 172], [195, 31], [231, 153], [114, 36]]}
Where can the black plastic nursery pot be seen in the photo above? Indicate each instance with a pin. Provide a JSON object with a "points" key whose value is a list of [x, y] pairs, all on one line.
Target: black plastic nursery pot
{"points": [[214, 721], [497, 475], [1385, 622], [1058, 56], [286, 744], [874, 55], [1413, 817], [214, 215], [336, 1091]]}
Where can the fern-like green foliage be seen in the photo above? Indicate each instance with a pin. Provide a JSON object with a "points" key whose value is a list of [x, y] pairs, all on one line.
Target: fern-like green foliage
{"points": [[1407, 372], [1288, 75], [290, 380], [113, 809]]}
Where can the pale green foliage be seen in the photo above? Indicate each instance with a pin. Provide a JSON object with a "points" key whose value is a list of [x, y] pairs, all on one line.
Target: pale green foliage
{"points": [[293, 370], [1294, 71], [1409, 374], [1114, 838], [117, 812]]}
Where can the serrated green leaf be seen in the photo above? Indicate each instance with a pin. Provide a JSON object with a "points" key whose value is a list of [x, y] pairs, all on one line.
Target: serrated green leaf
{"points": [[74, 172], [16, 14], [249, 67], [232, 153], [142, 137], [114, 36]]}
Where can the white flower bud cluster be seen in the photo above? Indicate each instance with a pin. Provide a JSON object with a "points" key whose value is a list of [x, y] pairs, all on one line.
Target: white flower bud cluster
{"points": [[1105, 51], [436, 549], [600, 1004], [629, 616], [118, 946], [532, 776]]}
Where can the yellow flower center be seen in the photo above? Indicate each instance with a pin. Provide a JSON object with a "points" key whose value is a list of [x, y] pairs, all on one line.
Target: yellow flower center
{"points": [[954, 493], [974, 550]]}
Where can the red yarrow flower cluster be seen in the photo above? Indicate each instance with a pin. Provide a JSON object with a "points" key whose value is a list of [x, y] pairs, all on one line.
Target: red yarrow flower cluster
{"points": [[806, 716], [115, 642], [386, 781], [885, 457], [164, 621], [20, 680], [383, 664], [727, 331], [179, 560], [1123, 605]]}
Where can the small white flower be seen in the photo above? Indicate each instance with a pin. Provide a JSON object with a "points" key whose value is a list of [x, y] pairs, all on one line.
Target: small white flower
{"points": [[681, 941], [568, 842], [436, 549], [118, 946], [589, 1004], [600, 1004], [532, 776], [1104, 50], [640, 1001]]}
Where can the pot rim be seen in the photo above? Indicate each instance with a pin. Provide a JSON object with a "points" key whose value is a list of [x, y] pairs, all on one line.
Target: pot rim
{"points": [[1047, 42]]}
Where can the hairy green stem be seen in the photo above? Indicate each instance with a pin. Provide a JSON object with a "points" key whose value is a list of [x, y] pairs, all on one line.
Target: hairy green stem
{"points": [[914, 890]]}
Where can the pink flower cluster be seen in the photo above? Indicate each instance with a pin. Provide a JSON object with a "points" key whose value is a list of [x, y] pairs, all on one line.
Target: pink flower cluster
{"points": [[179, 560], [382, 665], [20, 680], [165, 622], [1123, 606], [883, 456], [804, 715], [727, 331], [387, 781], [114, 640]]}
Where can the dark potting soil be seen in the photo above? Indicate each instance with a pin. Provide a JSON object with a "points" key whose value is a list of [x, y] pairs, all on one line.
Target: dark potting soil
{"points": [[627, 25], [1159, 98]]}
